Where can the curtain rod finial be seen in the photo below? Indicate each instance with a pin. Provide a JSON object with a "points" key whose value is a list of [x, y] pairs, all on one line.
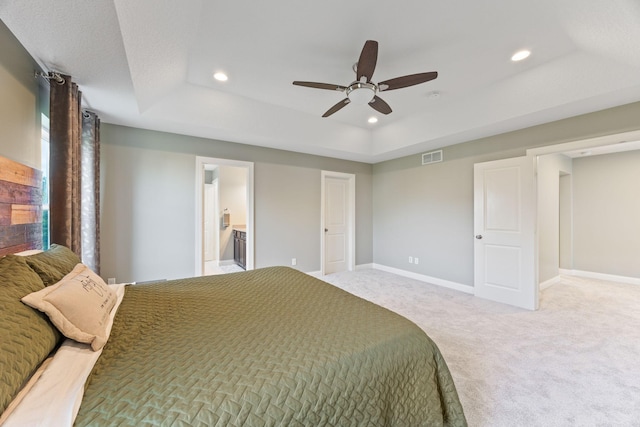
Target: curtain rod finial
{"points": [[51, 75]]}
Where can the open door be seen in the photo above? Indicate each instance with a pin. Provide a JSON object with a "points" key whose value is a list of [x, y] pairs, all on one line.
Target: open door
{"points": [[504, 228]]}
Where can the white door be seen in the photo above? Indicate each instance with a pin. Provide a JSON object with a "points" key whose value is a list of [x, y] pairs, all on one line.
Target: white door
{"points": [[215, 222], [338, 222], [504, 228], [209, 225]]}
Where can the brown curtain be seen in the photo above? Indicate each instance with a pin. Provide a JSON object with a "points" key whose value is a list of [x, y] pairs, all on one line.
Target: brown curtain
{"points": [[74, 174]]}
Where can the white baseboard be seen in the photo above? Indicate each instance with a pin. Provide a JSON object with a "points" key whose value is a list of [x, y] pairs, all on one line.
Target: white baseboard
{"points": [[358, 267], [423, 278], [601, 276], [544, 285]]}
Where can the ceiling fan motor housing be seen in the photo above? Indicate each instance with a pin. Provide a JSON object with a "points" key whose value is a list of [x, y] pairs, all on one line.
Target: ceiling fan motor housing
{"points": [[361, 93]]}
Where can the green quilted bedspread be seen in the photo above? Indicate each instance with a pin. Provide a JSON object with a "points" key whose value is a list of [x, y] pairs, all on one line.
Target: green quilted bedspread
{"points": [[270, 347]]}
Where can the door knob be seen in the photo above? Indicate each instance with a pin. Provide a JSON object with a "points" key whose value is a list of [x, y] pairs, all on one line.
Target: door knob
{"points": [[478, 236], [326, 229]]}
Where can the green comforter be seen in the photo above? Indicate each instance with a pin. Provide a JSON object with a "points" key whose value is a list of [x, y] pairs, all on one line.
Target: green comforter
{"points": [[270, 347]]}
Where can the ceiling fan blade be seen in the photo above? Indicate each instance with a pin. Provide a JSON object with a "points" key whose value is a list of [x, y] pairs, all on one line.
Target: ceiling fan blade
{"points": [[327, 86], [367, 61], [405, 81], [336, 107], [379, 105]]}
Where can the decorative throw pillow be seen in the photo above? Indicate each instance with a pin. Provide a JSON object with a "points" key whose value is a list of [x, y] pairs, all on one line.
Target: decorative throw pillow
{"points": [[53, 264], [78, 305], [26, 336]]}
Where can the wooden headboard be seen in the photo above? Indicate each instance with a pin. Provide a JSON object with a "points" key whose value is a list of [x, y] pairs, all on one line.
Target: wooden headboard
{"points": [[20, 207]]}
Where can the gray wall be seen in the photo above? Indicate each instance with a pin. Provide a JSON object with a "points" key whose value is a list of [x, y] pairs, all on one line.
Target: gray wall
{"points": [[427, 211], [290, 195], [606, 207], [424, 212], [148, 195], [19, 102], [147, 223]]}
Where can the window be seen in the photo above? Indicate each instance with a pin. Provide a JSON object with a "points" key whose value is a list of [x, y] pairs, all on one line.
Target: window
{"points": [[44, 154]]}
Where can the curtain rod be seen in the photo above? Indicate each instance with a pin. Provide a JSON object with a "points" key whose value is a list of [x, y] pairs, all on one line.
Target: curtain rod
{"points": [[51, 75]]}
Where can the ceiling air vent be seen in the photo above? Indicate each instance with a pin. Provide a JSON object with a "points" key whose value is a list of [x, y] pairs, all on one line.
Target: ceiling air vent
{"points": [[432, 157]]}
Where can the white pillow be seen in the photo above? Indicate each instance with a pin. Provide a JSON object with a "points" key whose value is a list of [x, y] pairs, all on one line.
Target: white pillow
{"points": [[29, 252], [78, 305]]}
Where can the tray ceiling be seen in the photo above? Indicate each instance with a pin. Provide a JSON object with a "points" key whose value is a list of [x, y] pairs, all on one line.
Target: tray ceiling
{"points": [[150, 64]]}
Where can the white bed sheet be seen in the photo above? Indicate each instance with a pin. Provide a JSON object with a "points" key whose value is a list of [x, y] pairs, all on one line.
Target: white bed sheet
{"points": [[54, 400]]}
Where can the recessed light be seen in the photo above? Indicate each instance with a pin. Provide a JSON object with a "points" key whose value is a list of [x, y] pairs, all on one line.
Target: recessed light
{"points": [[221, 77], [373, 120], [520, 55]]}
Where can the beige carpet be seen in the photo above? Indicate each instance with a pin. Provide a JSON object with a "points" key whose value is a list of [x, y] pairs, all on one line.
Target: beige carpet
{"points": [[574, 362]]}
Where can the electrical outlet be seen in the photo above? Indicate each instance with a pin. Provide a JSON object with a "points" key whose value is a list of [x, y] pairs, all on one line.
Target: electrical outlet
{"points": [[416, 260], [294, 261], [111, 281], [410, 260]]}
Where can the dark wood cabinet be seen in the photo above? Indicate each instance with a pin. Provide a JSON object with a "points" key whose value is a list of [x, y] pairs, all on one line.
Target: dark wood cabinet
{"points": [[240, 248]]}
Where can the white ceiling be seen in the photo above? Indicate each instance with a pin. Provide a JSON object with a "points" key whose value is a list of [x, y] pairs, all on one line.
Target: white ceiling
{"points": [[149, 64]]}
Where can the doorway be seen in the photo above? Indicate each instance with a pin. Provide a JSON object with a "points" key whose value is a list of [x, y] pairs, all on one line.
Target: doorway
{"points": [[591, 213], [337, 222], [606, 144], [224, 202]]}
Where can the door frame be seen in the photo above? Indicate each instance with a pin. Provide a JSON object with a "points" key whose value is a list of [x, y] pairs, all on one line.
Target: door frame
{"points": [[199, 208], [351, 217], [597, 143]]}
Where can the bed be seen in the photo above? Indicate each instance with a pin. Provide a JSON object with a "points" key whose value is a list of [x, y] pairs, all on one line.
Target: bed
{"points": [[268, 347]]}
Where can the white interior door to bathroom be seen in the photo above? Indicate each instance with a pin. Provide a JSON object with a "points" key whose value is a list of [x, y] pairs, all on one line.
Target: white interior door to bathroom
{"points": [[504, 228], [209, 224], [338, 222]]}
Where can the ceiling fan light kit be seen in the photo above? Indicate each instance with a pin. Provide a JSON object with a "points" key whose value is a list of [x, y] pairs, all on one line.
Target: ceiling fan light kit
{"points": [[363, 91]]}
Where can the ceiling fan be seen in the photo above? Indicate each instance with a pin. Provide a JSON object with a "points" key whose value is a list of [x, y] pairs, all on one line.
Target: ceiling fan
{"points": [[362, 90]]}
